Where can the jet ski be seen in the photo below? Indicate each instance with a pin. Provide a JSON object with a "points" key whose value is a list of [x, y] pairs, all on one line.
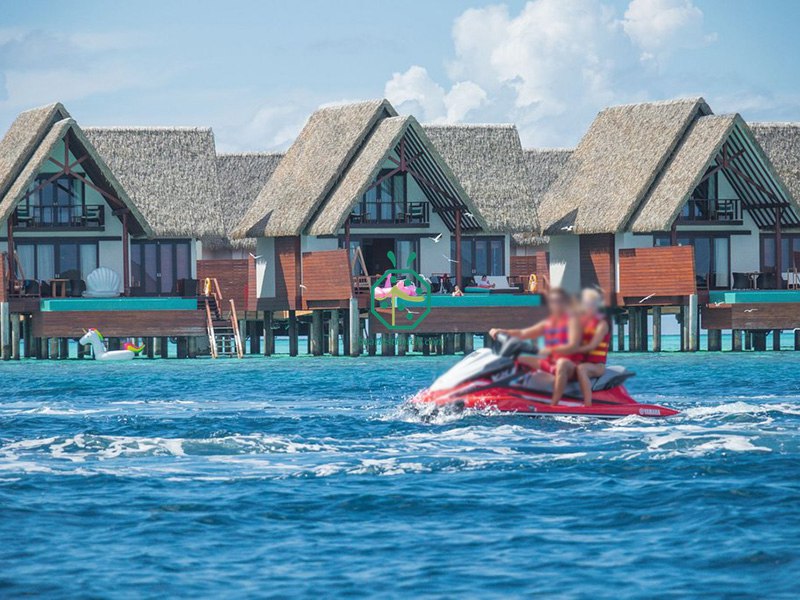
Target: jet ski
{"points": [[493, 379]]}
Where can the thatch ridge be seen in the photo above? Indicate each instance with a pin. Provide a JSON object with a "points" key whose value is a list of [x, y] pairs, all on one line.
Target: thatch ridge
{"points": [[45, 148], [682, 174], [311, 168], [171, 174], [615, 164], [545, 165], [242, 175], [489, 162], [365, 168], [23, 137]]}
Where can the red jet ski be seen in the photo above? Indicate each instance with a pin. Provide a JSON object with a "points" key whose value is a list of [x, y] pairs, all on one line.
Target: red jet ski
{"points": [[493, 379]]}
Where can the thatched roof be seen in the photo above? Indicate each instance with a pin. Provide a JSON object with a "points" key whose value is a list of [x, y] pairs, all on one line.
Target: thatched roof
{"points": [[311, 167], [33, 159], [781, 143], [489, 163], [171, 174], [545, 165], [683, 173], [615, 164], [371, 158], [241, 178]]}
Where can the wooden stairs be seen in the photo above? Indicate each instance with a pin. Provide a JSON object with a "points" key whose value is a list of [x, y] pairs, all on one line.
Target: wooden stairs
{"points": [[223, 330]]}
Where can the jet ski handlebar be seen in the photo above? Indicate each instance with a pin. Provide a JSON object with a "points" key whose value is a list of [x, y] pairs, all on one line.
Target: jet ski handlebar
{"points": [[511, 347]]}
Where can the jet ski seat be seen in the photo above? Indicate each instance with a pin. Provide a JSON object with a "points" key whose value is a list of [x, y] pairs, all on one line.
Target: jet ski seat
{"points": [[543, 383], [614, 376]]}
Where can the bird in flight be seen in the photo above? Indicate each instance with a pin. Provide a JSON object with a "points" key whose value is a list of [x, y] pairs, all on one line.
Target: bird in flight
{"points": [[411, 312], [468, 214], [436, 239], [749, 310], [303, 287], [254, 257], [568, 228], [646, 298], [449, 259]]}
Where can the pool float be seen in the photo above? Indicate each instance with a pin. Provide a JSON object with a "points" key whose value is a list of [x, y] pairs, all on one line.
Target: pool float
{"points": [[95, 338], [493, 379]]}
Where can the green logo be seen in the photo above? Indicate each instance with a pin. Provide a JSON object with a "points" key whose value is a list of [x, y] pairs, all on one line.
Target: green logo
{"points": [[400, 298]]}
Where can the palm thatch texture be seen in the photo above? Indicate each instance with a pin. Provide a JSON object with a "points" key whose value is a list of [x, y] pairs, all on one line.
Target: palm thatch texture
{"points": [[615, 164], [32, 154], [311, 167], [545, 166], [171, 174], [489, 162], [781, 143], [241, 178], [445, 195]]}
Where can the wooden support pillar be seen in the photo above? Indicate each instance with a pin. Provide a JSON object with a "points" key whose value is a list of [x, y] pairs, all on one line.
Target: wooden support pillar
{"points": [[419, 341], [372, 342], [469, 343], [692, 325], [776, 340], [633, 329], [643, 339], [459, 281], [402, 344], [269, 334], [656, 329], [44, 348], [16, 337], [193, 341], [28, 332], [459, 343], [759, 340], [487, 340], [426, 346], [714, 340], [354, 328], [316, 333], [333, 333], [387, 344], [126, 266], [448, 344], [5, 330], [163, 347], [797, 339], [52, 348], [182, 347], [82, 351], [620, 333], [292, 329], [255, 337], [736, 340], [778, 250], [63, 348], [150, 347]]}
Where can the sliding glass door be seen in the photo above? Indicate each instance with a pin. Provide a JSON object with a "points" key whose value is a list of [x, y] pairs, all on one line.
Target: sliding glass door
{"points": [[56, 260], [157, 266]]}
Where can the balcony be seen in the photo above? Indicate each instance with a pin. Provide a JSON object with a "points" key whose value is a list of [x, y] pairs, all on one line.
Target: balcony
{"points": [[377, 214], [44, 217], [712, 211]]}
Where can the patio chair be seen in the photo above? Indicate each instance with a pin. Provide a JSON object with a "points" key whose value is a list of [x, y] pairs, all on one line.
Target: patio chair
{"points": [[741, 281], [767, 281], [102, 283], [436, 284]]}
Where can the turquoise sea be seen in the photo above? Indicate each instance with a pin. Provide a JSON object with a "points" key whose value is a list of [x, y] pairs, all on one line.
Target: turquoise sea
{"points": [[308, 477]]}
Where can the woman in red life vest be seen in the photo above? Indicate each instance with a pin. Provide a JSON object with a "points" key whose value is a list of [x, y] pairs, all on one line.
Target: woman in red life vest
{"points": [[562, 339], [595, 343]]}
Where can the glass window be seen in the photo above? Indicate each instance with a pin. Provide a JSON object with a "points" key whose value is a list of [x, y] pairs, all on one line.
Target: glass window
{"points": [[481, 257], [88, 259], [45, 261], [497, 263], [721, 262], [26, 256], [68, 261]]}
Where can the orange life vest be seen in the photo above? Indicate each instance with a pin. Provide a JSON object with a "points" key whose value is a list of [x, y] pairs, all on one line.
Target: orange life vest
{"points": [[599, 354]]}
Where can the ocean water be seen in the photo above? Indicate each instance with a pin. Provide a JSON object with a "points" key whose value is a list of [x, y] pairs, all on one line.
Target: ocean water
{"points": [[310, 478]]}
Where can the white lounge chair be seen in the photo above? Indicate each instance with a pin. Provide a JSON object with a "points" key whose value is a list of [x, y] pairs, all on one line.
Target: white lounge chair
{"points": [[102, 283]]}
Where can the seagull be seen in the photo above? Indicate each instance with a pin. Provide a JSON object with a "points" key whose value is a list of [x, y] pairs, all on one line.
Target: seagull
{"points": [[717, 303], [449, 259], [411, 312], [568, 228], [646, 298], [254, 257], [468, 214], [304, 287], [436, 239], [749, 310]]}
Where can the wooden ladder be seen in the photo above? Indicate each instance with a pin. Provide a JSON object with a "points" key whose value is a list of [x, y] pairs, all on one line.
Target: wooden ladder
{"points": [[223, 331]]}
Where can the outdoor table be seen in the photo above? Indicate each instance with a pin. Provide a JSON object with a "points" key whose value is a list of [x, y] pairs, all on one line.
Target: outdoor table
{"points": [[58, 288]]}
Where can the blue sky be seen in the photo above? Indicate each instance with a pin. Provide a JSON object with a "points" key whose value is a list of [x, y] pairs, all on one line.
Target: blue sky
{"points": [[254, 70]]}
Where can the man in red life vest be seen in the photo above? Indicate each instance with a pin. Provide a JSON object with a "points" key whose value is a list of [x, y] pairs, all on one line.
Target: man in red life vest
{"points": [[595, 343], [562, 334]]}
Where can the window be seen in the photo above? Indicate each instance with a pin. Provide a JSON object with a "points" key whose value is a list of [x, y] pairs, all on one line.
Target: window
{"points": [[711, 256], [387, 202], [480, 255], [157, 266], [60, 259], [58, 202], [790, 243]]}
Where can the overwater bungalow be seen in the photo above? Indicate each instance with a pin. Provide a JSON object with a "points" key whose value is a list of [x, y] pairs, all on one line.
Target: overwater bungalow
{"points": [[667, 206], [363, 189]]}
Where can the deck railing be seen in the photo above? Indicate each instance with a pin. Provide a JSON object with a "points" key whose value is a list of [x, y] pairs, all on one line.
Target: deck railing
{"points": [[710, 210], [387, 214], [79, 216]]}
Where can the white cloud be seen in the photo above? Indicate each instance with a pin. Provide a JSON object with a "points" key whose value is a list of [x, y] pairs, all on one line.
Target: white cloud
{"points": [[658, 26], [417, 93], [551, 66]]}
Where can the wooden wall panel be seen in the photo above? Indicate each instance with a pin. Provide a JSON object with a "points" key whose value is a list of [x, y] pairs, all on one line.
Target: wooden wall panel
{"points": [[288, 273], [597, 263], [143, 323], [236, 277], [663, 271], [523, 266], [473, 319], [326, 276]]}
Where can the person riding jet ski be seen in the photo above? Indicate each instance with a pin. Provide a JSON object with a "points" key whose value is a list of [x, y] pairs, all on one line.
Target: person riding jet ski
{"points": [[563, 337]]}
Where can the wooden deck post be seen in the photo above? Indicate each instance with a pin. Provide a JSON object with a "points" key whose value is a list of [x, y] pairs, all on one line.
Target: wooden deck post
{"points": [[448, 343], [317, 337], [760, 340], [458, 344], [354, 328], [63, 348], [292, 330], [27, 334], [163, 347], [797, 339], [426, 346], [469, 343], [333, 333], [736, 340], [656, 329], [748, 339], [81, 352], [387, 344], [714, 340], [418, 343], [182, 349], [633, 329], [776, 340], [620, 333], [402, 344], [5, 331], [487, 340], [269, 334], [16, 325], [372, 342], [192, 350], [44, 348], [693, 324], [255, 337], [150, 347], [52, 348]]}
